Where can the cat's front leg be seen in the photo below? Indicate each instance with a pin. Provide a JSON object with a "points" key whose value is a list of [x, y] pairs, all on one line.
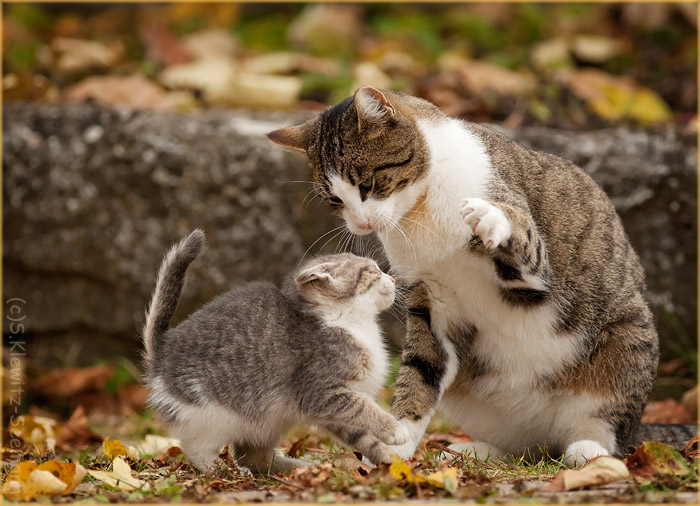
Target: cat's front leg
{"points": [[518, 250], [428, 367]]}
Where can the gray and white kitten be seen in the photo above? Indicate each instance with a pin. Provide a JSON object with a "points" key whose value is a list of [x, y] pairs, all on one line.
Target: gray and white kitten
{"points": [[526, 322], [255, 361]]}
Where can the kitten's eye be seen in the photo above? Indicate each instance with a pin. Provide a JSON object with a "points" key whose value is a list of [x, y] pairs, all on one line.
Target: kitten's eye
{"points": [[366, 185], [335, 200]]}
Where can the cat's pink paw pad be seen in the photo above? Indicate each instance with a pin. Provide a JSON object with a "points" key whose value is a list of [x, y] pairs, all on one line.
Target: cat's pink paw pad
{"points": [[487, 221]]}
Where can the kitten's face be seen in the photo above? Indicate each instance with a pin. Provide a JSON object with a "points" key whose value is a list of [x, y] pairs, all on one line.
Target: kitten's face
{"points": [[346, 280], [369, 159]]}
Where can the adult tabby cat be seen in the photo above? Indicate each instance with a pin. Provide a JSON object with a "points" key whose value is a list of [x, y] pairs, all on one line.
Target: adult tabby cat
{"points": [[526, 315]]}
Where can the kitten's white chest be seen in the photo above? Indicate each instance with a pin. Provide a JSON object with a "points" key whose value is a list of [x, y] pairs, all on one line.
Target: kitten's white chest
{"points": [[368, 334]]}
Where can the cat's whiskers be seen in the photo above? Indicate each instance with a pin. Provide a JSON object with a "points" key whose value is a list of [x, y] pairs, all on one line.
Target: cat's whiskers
{"points": [[420, 224], [396, 226], [341, 227]]}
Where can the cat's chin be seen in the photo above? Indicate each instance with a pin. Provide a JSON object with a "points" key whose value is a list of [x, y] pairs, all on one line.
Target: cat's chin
{"points": [[358, 231]]}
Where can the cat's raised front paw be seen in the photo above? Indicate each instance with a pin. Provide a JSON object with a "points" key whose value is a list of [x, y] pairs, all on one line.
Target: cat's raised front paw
{"points": [[487, 221]]}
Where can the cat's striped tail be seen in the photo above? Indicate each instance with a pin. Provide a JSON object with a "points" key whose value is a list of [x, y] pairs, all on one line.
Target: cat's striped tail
{"points": [[171, 278]]}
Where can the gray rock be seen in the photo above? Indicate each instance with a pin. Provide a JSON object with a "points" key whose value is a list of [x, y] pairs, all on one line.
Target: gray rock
{"points": [[93, 196]]}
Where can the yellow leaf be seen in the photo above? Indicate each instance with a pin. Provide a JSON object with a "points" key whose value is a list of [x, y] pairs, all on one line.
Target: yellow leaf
{"points": [[36, 429], [28, 481], [42, 483], [120, 476], [446, 479], [648, 107], [12, 489], [400, 470], [113, 448]]}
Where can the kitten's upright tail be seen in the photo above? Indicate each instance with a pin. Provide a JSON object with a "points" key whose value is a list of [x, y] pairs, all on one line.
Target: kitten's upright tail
{"points": [[171, 278]]}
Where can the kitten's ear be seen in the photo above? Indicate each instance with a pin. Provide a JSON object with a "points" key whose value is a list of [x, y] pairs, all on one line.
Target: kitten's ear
{"points": [[373, 108], [313, 273], [294, 137]]}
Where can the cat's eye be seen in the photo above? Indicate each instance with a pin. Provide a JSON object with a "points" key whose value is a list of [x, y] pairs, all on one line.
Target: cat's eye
{"points": [[366, 185], [335, 200]]}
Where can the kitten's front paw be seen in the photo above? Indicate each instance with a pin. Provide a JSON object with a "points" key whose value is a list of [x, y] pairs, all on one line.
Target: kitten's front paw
{"points": [[401, 435], [406, 450], [487, 221]]}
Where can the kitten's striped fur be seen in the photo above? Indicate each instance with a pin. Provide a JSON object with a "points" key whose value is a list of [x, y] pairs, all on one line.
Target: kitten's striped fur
{"points": [[527, 322], [256, 360]]}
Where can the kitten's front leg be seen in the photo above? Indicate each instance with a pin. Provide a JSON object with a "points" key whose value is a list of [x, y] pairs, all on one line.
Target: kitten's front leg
{"points": [[428, 367], [511, 237]]}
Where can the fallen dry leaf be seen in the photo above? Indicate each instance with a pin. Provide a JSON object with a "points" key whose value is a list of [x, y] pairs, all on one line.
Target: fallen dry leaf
{"points": [[73, 380], [653, 461], [77, 55], [598, 471], [113, 448], [481, 77], [213, 43], [152, 445], [120, 476], [134, 91], [161, 44], [616, 97], [76, 434], [37, 430], [27, 480], [349, 462], [668, 411], [691, 451], [690, 401]]}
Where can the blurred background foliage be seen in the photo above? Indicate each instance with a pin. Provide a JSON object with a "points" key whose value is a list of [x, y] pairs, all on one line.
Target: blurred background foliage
{"points": [[566, 65]]}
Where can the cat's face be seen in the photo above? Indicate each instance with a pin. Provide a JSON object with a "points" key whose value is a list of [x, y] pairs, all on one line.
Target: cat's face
{"points": [[346, 280], [369, 160]]}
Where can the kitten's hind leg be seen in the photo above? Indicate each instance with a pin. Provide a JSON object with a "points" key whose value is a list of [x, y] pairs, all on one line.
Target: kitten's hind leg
{"points": [[255, 458], [518, 250], [201, 448]]}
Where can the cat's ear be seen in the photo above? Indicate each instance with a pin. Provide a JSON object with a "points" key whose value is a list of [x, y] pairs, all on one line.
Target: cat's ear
{"points": [[313, 273], [294, 137], [373, 108]]}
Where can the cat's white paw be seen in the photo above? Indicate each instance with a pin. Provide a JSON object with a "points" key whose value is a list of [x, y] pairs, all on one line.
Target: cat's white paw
{"points": [[400, 436], [580, 452], [487, 221], [405, 450]]}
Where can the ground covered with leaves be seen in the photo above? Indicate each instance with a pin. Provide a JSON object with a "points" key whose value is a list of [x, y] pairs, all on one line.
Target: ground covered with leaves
{"points": [[562, 65], [109, 448]]}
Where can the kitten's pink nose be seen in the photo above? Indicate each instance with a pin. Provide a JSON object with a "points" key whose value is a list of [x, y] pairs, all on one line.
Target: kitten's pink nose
{"points": [[392, 279]]}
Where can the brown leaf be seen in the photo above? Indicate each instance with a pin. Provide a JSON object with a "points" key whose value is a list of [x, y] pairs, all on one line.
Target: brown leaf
{"points": [[690, 401], [668, 411], [653, 461], [76, 434], [349, 462], [691, 451], [168, 454], [133, 396], [72, 381], [161, 45], [134, 91]]}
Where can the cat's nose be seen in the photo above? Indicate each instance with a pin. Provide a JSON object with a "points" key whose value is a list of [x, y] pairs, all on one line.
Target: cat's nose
{"points": [[363, 225], [392, 279]]}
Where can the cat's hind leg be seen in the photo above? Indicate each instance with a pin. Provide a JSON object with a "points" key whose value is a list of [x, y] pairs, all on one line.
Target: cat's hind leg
{"points": [[256, 459], [201, 447]]}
